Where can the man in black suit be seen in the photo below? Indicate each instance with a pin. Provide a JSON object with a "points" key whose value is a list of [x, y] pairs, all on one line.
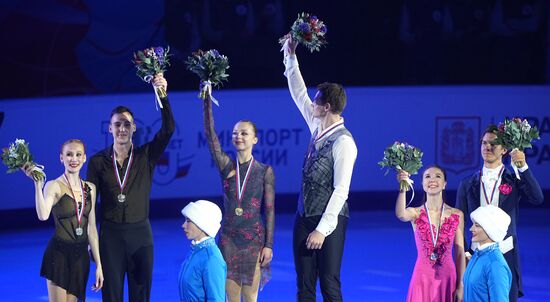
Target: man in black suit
{"points": [[496, 185]]}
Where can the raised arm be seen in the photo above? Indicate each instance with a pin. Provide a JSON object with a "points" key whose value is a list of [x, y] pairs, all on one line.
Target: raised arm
{"points": [[269, 210], [296, 84], [159, 143], [530, 188], [44, 200], [528, 184], [220, 158], [93, 240], [401, 211]]}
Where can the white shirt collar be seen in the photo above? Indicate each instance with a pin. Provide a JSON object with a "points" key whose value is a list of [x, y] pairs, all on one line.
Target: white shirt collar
{"points": [[193, 242], [330, 129], [485, 245], [493, 171]]}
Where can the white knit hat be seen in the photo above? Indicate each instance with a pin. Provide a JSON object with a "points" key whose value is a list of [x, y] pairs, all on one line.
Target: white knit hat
{"points": [[205, 214], [493, 220]]}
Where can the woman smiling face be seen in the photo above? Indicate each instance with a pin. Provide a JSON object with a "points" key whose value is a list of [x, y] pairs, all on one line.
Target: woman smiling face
{"points": [[244, 136], [433, 180], [73, 156]]}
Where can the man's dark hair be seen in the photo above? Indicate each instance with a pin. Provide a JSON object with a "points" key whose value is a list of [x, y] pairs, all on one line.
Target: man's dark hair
{"points": [[333, 94], [492, 128], [120, 110]]}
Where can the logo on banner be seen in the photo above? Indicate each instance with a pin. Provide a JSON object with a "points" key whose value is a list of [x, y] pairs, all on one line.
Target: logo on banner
{"points": [[457, 143], [172, 164]]}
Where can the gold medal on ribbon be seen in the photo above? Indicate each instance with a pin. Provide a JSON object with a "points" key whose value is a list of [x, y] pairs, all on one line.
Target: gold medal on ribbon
{"points": [[238, 211], [241, 188]]}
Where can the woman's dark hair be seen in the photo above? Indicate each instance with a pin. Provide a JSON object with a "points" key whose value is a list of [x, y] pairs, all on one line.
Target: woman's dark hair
{"points": [[251, 124], [443, 194]]}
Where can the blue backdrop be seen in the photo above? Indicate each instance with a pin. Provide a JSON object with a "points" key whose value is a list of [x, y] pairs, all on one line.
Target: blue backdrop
{"points": [[445, 122]]}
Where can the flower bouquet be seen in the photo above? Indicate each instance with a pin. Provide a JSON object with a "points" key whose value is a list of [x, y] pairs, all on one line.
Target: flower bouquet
{"points": [[402, 156], [211, 68], [150, 62], [17, 155], [308, 30], [516, 134]]}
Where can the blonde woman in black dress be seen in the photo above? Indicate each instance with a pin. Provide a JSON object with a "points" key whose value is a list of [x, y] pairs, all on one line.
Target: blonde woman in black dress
{"points": [[71, 201]]}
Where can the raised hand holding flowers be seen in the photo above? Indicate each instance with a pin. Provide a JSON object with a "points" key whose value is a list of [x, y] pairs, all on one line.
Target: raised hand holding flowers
{"points": [[307, 30], [150, 62], [211, 68], [17, 156], [516, 134], [404, 157]]}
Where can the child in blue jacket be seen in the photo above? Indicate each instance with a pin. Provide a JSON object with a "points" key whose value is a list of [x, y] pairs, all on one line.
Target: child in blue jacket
{"points": [[487, 276], [202, 275]]}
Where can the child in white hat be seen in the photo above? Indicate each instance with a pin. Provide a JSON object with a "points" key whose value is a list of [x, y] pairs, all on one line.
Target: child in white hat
{"points": [[202, 275], [487, 276]]}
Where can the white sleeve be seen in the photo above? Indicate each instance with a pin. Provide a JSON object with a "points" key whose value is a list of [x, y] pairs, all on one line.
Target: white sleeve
{"points": [[344, 152], [298, 90]]}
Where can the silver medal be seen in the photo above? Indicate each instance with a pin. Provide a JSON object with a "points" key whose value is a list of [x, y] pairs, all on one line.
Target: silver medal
{"points": [[121, 197], [122, 183], [434, 256], [79, 231]]}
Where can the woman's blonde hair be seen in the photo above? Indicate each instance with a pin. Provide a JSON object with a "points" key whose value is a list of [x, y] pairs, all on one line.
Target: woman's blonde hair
{"points": [[71, 141]]}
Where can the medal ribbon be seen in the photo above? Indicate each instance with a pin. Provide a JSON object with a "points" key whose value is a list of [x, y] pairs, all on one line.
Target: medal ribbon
{"points": [[78, 211], [328, 130], [488, 201], [312, 143], [122, 183], [241, 189], [436, 237]]}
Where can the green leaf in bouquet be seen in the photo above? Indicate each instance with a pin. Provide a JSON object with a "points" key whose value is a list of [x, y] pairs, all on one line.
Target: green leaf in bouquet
{"points": [[534, 133], [402, 156], [515, 133], [209, 66], [16, 155]]}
